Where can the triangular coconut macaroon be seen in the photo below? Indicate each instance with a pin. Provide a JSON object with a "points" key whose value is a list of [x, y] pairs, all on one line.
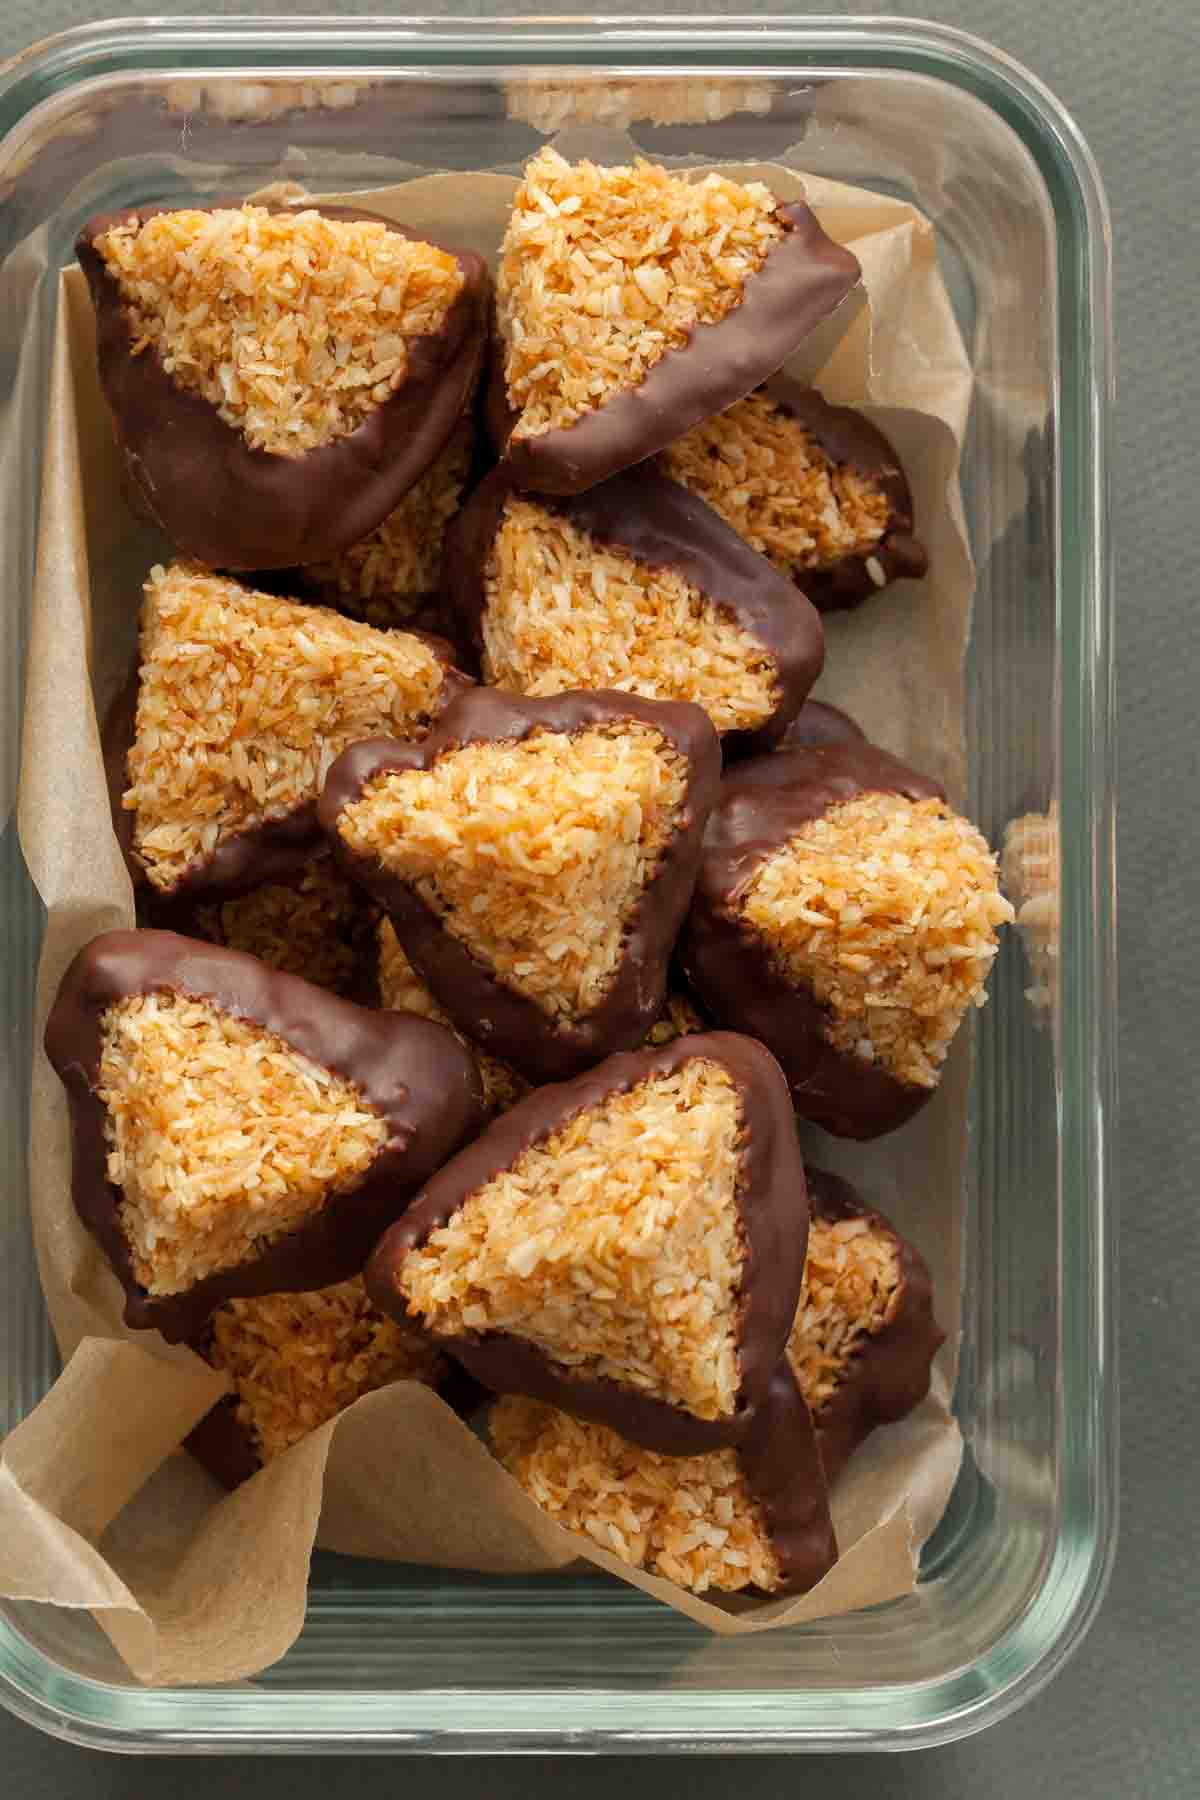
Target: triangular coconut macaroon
{"points": [[393, 576], [536, 858], [236, 1130], [632, 303], [279, 377], [846, 916], [244, 700], [864, 1337], [628, 1245], [635, 585], [818, 489], [751, 1519]]}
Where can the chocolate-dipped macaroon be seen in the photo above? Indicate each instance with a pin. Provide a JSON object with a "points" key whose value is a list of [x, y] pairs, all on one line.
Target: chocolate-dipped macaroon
{"points": [[279, 378], [847, 917], [632, 303], [536, 858], [237, 1131], [754, 1518], [319, 925], [817, 489], [865, 1336], [628, 1245], [636, 585], [243, 701]]}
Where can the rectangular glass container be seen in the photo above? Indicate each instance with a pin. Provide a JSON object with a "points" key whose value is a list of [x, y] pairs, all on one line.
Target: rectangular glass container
{"points": [[398, 1658]]}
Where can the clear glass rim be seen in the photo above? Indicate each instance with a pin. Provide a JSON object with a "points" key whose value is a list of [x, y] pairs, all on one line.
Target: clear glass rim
{"points": [[1019, 1664]]}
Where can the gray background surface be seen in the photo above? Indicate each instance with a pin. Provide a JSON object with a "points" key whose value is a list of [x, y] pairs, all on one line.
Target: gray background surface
{"points": [[1122, 1721]]}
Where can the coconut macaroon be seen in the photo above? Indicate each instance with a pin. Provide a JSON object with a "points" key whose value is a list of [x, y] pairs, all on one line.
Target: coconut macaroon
{"points": [[393, 576], [549, 102], [815, 488], [864, 1336], [628, 1245], [236, 1130], [244, 701], [279, 377], [755, 1517], [845, 915], [401, 989], [535, 858], [296, 1361], [320, 926], [638, 586], [1030, 868], [631, 303]]}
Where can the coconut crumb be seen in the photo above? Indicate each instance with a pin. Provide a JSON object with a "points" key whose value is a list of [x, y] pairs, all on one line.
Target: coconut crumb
{"points": [[1031, 879], [297, 1360], [220, 1136], [389, 575], [318, 927], [402, 990], [603, 270], [244, 702], [564, 612], [613, 1245], [851, 1291], [678, 1018], [691, 1519], [887, 909], [533, 853], [254, 102], [549, 103], [294, 326], [772, 483]]}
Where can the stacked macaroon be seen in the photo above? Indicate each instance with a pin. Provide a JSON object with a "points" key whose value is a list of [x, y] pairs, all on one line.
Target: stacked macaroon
{"points": [[503, 895]]}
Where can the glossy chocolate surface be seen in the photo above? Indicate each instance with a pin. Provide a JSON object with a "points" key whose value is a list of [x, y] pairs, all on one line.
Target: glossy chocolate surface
{"points": [[803, 278], [783, 1467], [773, 1213], [413, 1073], [763, 803], [236, 507], [501, 1020], [888, 1374], [645, 515]]}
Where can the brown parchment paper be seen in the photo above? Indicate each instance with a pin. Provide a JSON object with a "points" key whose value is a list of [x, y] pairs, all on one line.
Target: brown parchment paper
{"points": [[193, 1585]]}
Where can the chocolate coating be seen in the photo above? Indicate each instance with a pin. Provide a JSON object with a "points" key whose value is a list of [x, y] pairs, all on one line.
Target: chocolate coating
{"points": [[646, 516], [802, 279], [236, 507], [763, 803], [277, 848], [850, 440], [503, 1021], [412, 1072], [817, 725], [783, 1468], [889, 1372], [773, 1212]]}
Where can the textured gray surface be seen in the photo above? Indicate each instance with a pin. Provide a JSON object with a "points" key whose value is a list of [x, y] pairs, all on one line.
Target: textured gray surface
{"points": [[1121, 1721]]}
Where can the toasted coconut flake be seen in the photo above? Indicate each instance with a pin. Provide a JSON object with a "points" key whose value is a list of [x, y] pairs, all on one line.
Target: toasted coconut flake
{"points": [[613, 1245], [319, 927], [402, 990], [294, 326], [887, 909], [564, 612], [388, 575], [533, 853], [297, 1360], [220, 1136], [770, 480], [691, 1519], [603, 270], [550, 103], [852, 1288], [244, 702]]}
